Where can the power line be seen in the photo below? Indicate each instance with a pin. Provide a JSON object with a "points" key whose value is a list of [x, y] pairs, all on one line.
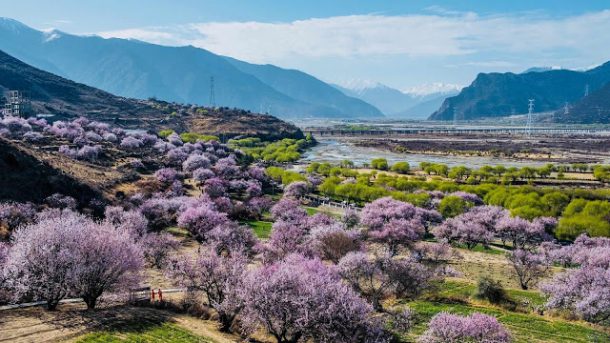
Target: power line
{"points": [[587, 90], [212, 95], [530, 112]]}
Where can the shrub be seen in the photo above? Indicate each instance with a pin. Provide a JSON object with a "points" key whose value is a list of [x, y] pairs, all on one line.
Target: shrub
{"points": [[193, 137], [477, 327], [491, 290], [296, 189], [286, 177], [166, 175], [333, 242], [452, 206], [584, 216], [165, 133], [379, 164], [401, 167], [131, 143]]}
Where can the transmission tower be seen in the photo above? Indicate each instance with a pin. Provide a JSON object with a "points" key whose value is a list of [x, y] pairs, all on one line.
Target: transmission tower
{"points": [[587, 90], [566, 108], [530, 112], [212, 95]]}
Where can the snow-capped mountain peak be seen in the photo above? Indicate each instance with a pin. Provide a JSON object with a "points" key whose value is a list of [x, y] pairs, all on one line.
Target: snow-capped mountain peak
{"points": [[432, 88]]}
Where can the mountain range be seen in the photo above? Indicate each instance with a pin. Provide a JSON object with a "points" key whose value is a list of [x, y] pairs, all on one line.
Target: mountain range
{"points": [[504, 94], [136, 69], [397, 104], [65, 99]]}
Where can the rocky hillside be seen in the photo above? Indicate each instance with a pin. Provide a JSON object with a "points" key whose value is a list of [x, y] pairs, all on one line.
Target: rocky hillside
{"points": [[66, 99], [503, 94], [177, 74], [40, 174]]}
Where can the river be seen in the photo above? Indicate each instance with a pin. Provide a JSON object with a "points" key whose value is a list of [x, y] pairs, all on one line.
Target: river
{"points": [[334, 151]]}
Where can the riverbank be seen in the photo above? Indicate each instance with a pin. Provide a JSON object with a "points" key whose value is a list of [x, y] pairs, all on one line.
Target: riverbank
{"points": [[335, 150], [464, 150], [547, 149]]}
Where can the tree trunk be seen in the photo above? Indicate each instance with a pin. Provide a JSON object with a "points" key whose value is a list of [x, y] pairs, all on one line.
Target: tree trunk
{"points": [[52, 304], [226, 321], [377, 304], [91, 302]]}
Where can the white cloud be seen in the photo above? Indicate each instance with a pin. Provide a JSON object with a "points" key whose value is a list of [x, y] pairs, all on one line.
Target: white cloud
{"points": [[432, 35]]}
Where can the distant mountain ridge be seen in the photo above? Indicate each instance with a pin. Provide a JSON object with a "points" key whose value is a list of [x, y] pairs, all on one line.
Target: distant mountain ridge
{"points": [[398, 104], [503, 94], [65, 99], [141, 70], [306, 88]]}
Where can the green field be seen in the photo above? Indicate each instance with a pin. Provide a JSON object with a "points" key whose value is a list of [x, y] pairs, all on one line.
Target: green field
{"points": [[144, 333], [262, 229]]}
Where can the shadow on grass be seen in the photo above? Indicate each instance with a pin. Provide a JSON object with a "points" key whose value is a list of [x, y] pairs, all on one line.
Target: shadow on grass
{"points": [[122, 318]]}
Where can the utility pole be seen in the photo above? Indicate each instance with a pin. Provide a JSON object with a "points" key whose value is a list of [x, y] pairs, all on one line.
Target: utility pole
{"points": [[212, 95], [530, 112]]}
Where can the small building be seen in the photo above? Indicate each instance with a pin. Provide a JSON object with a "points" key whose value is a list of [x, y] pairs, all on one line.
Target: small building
{"points": [[17, 104]]}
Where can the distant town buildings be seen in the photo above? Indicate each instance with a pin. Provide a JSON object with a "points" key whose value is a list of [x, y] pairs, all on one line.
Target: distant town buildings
{"points": [[16, 104]]}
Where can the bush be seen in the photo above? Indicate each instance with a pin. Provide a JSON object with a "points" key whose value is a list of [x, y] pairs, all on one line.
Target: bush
{"points": [[452, 206], [491, 290], [284, 176], [401, 167], [165, 133], [285, 150], [477, 327], [582, 216], [602, 173], [380, 164], [193, 137]]}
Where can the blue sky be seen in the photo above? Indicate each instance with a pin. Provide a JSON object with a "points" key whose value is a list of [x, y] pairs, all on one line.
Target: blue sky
{"points": [[410, 45]]}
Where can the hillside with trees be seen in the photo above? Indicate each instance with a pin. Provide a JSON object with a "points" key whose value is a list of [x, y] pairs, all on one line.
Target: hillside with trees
{"points": [[249, 251]]}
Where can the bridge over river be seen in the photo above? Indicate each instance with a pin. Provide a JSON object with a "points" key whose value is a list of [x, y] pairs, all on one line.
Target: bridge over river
{"points": [[538, 131]]}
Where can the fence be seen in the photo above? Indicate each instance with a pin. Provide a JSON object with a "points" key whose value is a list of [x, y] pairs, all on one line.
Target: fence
{"points": [[323, 201]]}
